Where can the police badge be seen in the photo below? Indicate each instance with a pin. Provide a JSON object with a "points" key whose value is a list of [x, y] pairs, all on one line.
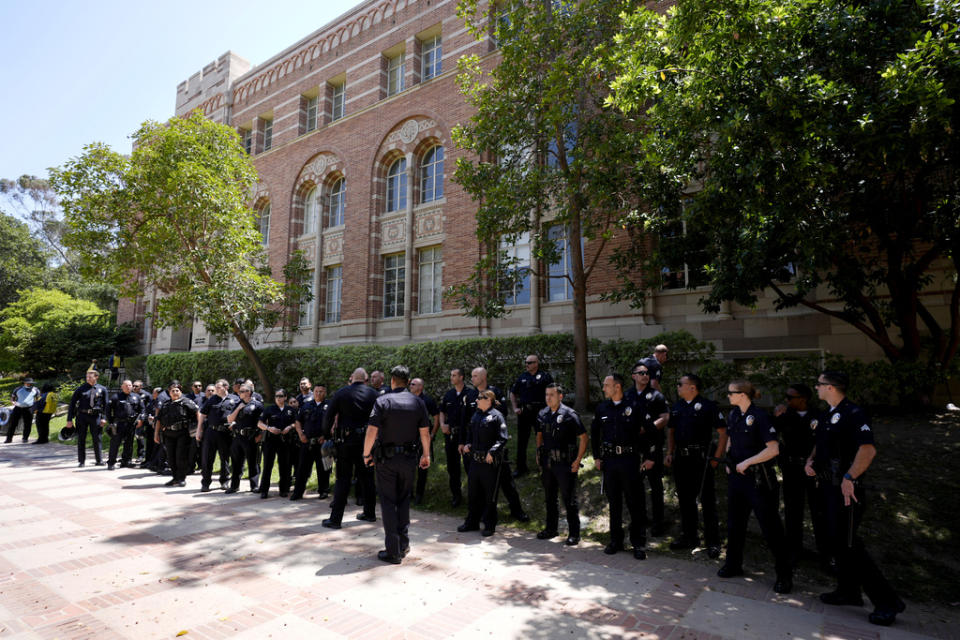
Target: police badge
{"points": [[698, 406], [649, 396], [559, 419], [538, 376], [749, 421], [628, 411], [813, 424], [835, 419]]}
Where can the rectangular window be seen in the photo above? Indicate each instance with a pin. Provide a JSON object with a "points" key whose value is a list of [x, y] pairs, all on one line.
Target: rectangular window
{"points": [[263, 224], [339, 97], [431, 52], [518, 253], [313, 105], [394, 274], [560, 280], [395, 68], [681, 270], [267, 134], [431, 280], [306, 309], [246, 139], [334, 294]]}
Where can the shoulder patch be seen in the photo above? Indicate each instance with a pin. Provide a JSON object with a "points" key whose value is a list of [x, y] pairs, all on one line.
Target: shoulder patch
{"points": [[489, 418], [865, 428], [772, 430]]}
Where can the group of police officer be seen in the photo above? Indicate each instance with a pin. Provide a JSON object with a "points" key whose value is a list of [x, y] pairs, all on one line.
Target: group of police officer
{"points": [[372, 432]]}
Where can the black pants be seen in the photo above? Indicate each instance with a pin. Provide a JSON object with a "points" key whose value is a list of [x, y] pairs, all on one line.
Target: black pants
{"points": [[509, 488], [558, 479], [89, 422], [310, 456], [453, 465], [123, 437], [800, 489], [394, 486], [744, 496], [350, 461], [654, 478], [214, 443], [526, 421], [18, 413], [177, 445], [275, 449], [244, 448], [690, 473], [422, 476], [43, 427], [481, 486], [150, 454], [621, 479], [856, 570]]}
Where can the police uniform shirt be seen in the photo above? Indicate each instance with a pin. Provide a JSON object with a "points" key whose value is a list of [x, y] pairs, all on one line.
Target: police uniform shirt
{"points": [[311, 418], [399, 416], [840, 433], [650, 403], [125, 408], [452, 406], [430, 404], [351, 405], [304, 397], [249, 415], [796, 432], [487, 432], [616, 424], [274, 416], [749, 433], [211, 409], [693, 422], [654, 366], [531, 388], [175, 412], [560, 428], [470, 401], [88, 398]]}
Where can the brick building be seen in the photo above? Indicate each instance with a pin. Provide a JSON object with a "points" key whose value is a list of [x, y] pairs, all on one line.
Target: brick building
{"points": [[350, 133]]}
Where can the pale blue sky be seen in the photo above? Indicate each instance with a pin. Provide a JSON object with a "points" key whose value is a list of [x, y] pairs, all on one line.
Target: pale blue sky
{"points": [[78, 72]]}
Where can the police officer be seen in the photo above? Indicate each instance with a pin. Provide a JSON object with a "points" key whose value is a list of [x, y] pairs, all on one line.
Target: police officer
{"points": [[309, 430], [196, 393], [399, 433], [147, 399], [693, 419], [752, 484], [844, 451], [276, 422], [479, 378], [350, 407], [245, 418], [655, 415], [561, 443], [416, 388], [174, 419], [486, 441], [376, 382], [527, 400], [88, 406], [620, 449], [305, 391], [214, 435], [796, 423], [654, 363], [451, 425], [126, 413]]}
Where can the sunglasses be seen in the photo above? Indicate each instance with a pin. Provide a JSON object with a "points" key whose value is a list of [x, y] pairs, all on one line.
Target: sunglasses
{"points": [[641, 373], [733, 393]]}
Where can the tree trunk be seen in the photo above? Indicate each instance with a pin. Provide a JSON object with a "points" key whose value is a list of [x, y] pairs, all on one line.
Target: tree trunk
{"points": [[255, 360], [581, 362]]}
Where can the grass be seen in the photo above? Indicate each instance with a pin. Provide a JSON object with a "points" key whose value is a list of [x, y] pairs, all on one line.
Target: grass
{"points": [[910, 527]]}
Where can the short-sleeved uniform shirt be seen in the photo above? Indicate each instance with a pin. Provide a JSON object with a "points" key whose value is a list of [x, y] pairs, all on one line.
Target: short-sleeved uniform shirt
{"points": [[561, 429], [531, 388], [693, 422], [749, 432], [399, 417], [839, 433]]}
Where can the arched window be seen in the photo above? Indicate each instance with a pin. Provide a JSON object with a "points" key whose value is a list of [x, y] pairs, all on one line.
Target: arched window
{"points": [[311, 209], [263, 223], [397, 186], [431, 175], [336, 204]]}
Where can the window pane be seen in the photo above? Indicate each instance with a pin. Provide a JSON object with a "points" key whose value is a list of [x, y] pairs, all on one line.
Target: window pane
{"points": [[334, 294], [312, 107], [395, 75], [339, 94], [519, 250], [431, 54], [263, 224], [306, 309], [267, 134], [397, 186], [393, 283], [431, 175], [337, 201], [431, 277]]}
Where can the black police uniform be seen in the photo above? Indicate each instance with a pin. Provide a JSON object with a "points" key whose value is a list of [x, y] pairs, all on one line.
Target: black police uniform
{"points": [[351, 407], [156, 452], [88, 406], [654, 367], [452, 406], [486, 433], [398, 417], [651, 404], [175, 418], [618, 440], [840, 433], [561, 431], [507, 485], [432, 410], [244, 445], [692, 424], [756, 490], [124, 410], [145, 426], [311, 453], [530, 393], [216, 439], [275, 448], [796, 433]]}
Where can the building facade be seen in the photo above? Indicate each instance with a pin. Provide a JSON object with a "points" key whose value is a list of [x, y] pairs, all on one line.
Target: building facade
{"points": [[350, 131]]}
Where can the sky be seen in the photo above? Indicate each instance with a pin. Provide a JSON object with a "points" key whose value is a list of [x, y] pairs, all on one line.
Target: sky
{"points": [[77, 72]]}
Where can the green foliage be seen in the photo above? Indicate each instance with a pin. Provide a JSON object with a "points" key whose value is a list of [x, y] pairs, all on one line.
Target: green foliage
{"points": [[22, 259], [823, 136]]}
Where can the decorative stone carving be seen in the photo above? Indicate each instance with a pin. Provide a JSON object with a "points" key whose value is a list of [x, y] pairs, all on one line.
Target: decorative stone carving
{"points": [[319, 165], [394, 232], [408, 132], [333, 246], [429, 224]]}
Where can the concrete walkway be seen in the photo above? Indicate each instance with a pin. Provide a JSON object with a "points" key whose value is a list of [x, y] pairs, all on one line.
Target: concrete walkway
{"points": [[90, 553]]}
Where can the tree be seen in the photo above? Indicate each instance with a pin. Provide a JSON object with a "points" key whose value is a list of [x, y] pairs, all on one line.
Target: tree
{"points": [[174, 217], [821, 137], [48, 331], [22, 259], [547, 152], [36, 202]]}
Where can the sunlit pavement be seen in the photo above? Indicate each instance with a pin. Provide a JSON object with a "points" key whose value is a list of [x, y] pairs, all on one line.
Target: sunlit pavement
{"points": [[114, 554]]}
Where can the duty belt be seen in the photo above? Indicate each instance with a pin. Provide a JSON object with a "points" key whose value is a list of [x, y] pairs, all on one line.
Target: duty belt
{"points": [[481, 456], [801, 460], [223, 428], [692, 450], [558, 455], [313, 441], [397, 449], [247, 432], [609, 449], [175, 427], [90, 411]]}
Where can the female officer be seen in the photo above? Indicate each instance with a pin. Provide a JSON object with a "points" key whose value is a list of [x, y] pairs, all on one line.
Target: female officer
{"points": [[485, 438], [276, 421], [752, 484]]}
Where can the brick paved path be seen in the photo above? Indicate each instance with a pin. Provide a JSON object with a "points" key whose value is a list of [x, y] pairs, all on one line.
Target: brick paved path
{"points": [[92, 553]]}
